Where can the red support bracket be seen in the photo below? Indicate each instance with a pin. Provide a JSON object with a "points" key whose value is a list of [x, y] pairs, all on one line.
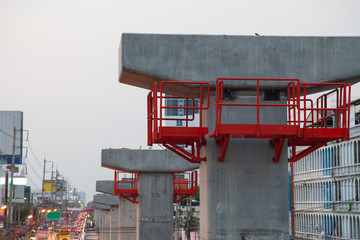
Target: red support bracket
{"points": [[297, 157], [189, 156], [224, 142], [133, 199], [176, 200], [278, 143]]}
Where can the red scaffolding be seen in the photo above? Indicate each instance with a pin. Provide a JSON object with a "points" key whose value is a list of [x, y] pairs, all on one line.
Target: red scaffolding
{"points": [[185, 184], [131, 179], [308, 124], [185, 129]]}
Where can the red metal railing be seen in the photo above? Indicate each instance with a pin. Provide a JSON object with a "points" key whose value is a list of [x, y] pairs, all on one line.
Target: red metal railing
{"points": [[126, 184], [308, 123], [185, 184], [192, 133]]}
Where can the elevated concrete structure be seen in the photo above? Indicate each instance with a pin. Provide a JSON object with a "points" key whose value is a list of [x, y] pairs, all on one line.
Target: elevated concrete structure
{"points": [[145, 58], [144, 160], [110, 226], [127, 211], [244, 197], [155, 187], [102, 219], [105, 186]]}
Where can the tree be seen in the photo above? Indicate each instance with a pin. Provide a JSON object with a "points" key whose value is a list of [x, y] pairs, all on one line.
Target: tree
{"points": [[190, 223]]}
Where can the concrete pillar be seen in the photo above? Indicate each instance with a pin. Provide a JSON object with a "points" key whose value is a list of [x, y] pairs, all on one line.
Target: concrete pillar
{"points": [[111, 224], [127, 219], [102, 216], [114, 223], [155, 187], [246, 196], [126, 211], [155, 215]]}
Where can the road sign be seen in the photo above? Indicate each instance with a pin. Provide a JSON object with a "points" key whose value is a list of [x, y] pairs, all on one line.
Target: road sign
{"points": [[53, 216]]}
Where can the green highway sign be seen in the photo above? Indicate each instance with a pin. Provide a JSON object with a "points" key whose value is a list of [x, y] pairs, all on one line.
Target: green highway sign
{"points": [[53, 216]]}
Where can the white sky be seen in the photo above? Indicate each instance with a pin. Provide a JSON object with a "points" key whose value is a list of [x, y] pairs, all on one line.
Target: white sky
{"points": [[59, 65]]}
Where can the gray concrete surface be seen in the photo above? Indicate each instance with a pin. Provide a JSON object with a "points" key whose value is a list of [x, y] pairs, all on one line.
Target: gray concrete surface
{"points": [[247, 194], [107, 186], [106, 199], [145, 58], [127, 219], [102, 217], [109, 220], [144, 160], [155, 207], [123, 216]]}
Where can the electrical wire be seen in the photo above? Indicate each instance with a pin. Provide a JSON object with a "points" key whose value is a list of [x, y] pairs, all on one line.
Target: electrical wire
{"points": [[34, 155], [28, 177], [32, 168], [342, 20]]}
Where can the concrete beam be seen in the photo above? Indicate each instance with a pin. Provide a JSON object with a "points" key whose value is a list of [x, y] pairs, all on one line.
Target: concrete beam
{"points": [[105, 186], [100, 206], [144, 160], [105, 199], [146, 58]]}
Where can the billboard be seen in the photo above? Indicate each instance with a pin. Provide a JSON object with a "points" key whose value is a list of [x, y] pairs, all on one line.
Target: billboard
{"points": [[61, 185], [49, 186], [9, 120]]}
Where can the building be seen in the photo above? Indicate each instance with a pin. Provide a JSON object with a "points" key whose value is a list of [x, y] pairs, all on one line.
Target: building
{"points": [[326, 188]]}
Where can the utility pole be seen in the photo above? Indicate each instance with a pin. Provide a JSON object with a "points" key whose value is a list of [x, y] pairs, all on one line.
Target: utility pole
{"points": [[43, 184], [10, 209], [52, 183], [56, 186]]}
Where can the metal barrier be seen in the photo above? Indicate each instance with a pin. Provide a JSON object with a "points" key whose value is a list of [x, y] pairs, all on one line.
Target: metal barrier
{"points": [[170, 131], [131, 179], [185, 184]]}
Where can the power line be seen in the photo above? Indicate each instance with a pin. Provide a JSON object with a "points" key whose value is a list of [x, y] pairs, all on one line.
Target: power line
{"points": [[34, 155], [34, 171], [343, 19]]}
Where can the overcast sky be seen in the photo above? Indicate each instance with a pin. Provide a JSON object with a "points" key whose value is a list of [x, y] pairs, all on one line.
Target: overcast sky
{"points": [[59, 65]]}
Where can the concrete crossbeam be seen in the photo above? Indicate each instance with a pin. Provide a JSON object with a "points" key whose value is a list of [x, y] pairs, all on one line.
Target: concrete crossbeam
{"points": [[144, 160], [105, 186], [145, 58], [100, 206], [106, 199]]}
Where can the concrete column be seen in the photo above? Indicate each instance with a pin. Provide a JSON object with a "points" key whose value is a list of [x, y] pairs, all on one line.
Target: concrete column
{"points": [[246, 196], [155, 187], [112, 216], [126, 211], [127, 219], [102, 216], [114, 223], [155, 209]]}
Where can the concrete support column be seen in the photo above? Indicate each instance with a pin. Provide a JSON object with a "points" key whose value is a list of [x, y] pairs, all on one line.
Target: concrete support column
{"points": [[155, 208], [127, 219], [104, 217], [123, 222], [155, 187], [114, 223], [246, 196]]}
